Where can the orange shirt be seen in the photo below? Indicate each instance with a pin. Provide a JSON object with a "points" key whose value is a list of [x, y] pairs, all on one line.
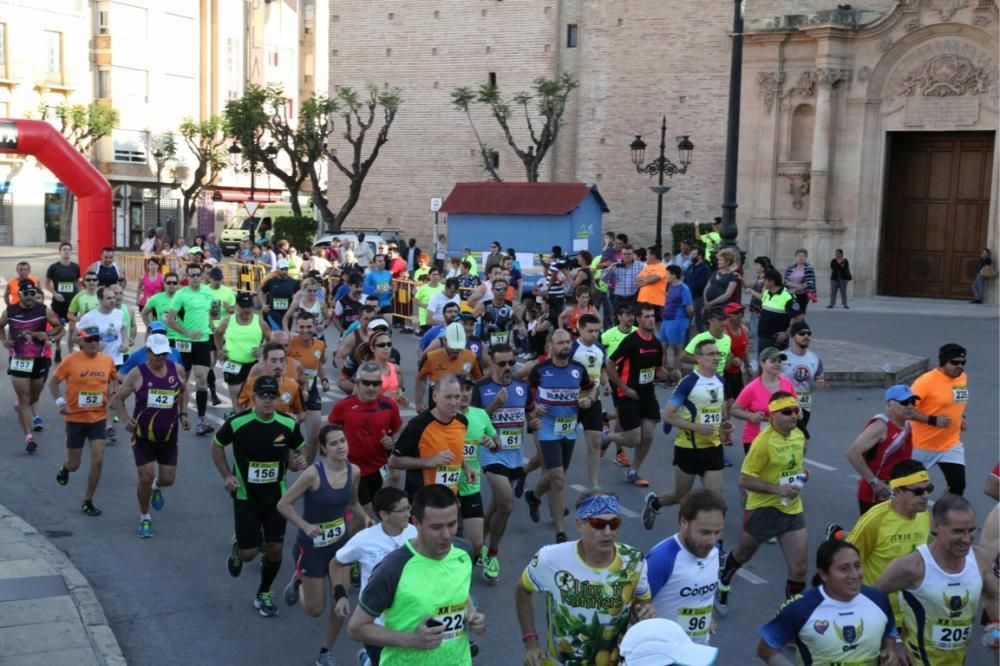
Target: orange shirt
{"points": [[289, 401], [655, 293], [939, 395], [13, 285], [437, 364], [424, 437], [309, 357], [86, 386]]}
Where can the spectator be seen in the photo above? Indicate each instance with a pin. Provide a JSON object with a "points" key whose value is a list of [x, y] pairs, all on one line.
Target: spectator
{"points": [[800, 280], [711, 240], [411, 255], [696, 277], [468, 256], [362, 251], [724, 285], [212, 247], [840, 275], [494, 257], [623, 276], [182, 250], [683, 258], [984, 272], [652, 282], [441, 252]]}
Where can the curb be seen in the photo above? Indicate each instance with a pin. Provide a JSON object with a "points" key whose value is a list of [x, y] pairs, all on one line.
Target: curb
{"points": [[102, 639]]}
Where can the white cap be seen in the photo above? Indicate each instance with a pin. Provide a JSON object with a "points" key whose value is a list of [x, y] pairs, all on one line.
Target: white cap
{"points": [[377, 323], [158, 344], [454, 336], [282, 263], [659, 642]]}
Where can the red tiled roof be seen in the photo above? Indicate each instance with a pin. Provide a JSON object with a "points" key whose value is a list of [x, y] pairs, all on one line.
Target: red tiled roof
{"points": [[492, 198]]}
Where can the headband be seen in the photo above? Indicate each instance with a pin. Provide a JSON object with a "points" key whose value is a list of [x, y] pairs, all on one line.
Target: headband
{"points": [[910, 479], [781, 403], [597, 505]]}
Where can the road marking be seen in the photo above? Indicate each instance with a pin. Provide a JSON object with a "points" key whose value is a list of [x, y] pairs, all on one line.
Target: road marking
{"points": [[625, 511], [855, 477], [750, 577], [820, 465]]}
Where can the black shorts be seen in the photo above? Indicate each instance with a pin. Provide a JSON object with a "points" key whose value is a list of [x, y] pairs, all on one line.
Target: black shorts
{"points": [[368, 486], [732, 384], [313, 400], [767, 522], [78, 433], [238, 378], [591, 418], [510, 473], [200, 354], [252, 518], [632, 412], [695, 462], [472, 505], [556, 452], [61, 308], [314, 562], [145, 452], [39, 369]]}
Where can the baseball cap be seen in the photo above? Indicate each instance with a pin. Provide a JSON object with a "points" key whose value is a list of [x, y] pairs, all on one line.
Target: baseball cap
{"points": [[772, 352], [660, 642], [465, 379], [266, 385], [282, 263], [244, 300], [26, 285], [195, 250], [800, 326], [732, 308], [158, 344], [899, 393], [89, 331], [157, 327], [454, 336], [715, 313], [376, 324]]}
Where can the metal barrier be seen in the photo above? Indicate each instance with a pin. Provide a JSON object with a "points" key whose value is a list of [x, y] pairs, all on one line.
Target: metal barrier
{"points": [[403, 301], [236, 275]]}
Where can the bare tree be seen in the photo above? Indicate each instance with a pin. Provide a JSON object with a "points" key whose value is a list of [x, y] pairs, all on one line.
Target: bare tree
{"points": [[205, 141]]}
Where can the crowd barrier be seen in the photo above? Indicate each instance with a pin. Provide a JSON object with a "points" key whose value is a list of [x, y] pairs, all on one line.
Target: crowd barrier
{"points": [[236, 275]]}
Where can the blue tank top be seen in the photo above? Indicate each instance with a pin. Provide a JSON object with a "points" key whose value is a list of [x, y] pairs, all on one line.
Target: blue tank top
{"points": [[508, 421], [326, 507], [558, 390], [157, 405]]}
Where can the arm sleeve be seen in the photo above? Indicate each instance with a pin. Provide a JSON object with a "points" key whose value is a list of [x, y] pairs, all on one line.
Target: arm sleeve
{"points": [[787, 623], [686, 299], [642, 592], [624, 347], [879, 598], [683, 390], [660, 565], [349, 552], [537, 573], [380, 592], [408, 444], [863, 533], [224, 435]]}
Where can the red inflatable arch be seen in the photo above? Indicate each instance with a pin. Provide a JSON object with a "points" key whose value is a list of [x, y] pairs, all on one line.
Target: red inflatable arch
{"points": [[93, 193]]}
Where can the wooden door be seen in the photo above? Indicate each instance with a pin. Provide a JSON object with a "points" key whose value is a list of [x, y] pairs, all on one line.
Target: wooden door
{"points": [[937, 210]]}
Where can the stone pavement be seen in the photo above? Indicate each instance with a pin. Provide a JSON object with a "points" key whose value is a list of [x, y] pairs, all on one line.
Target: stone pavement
{"points": [[49, 614]]}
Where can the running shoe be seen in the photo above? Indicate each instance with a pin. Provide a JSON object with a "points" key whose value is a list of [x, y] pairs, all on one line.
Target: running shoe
{"points": [[534, 504], [621, 458], [363, 658], [726, 462], [203, 429], [29, 443], [722, 600], [157, 499], [36, 424], [519, 485], [833, 532], [62, 477], [325, 659], [605, 443], [772, 540], [633, 477], [233, 561], [115, 419], [483, 554], [112, 436], [265, 605], [292, 590], [650, 510], [491, 570], [145, 528], [58, 355], [88, 508]]}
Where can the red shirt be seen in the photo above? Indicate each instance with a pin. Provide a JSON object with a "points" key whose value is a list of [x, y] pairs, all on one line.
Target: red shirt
{"points": [[881, 458], [737, 348], [365, 424], [397, 267]]}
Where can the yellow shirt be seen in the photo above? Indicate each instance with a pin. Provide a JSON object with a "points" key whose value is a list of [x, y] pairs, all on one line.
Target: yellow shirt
{"points": [[776, 459]]}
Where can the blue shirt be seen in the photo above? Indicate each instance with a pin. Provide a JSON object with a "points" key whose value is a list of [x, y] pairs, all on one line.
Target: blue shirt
{"points": [[678, 298], [432, 334], [141, 355], [379, 283], [558, 390], [508, 420]]}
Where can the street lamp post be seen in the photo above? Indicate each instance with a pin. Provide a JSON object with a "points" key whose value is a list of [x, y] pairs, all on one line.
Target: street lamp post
{"points": [[659, 167], [158, 157], [727, 230]]}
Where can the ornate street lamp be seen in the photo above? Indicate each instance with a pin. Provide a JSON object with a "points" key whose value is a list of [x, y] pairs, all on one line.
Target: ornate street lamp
{"points": [[659, 167]]}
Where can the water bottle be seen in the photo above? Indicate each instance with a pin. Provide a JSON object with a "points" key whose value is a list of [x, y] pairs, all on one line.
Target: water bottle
{"points": [[989, 637], [799, 481]]}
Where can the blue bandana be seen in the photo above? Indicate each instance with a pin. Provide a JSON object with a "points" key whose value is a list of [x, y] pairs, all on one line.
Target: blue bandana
{"points": [[598, 505]]}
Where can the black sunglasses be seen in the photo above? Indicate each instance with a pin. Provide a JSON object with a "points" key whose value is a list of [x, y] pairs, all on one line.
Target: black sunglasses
{"points": [[92, 338], [170, 282], [957, 362], [917, 492], [809, 333], [369, 383]]}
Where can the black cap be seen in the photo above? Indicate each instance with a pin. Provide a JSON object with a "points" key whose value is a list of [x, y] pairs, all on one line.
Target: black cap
{"points": [[244, 300], [800, 326], [26, 285], [266, 385], [465, 379], [947, 352]]}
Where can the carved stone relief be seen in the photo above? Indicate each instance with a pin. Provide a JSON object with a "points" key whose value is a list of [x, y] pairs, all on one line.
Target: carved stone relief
{"points": [[770, 87], [884, 43], [912, 25], [864, 73], [947, 8], [806, 85], [798, 187], [944, 68], [982, 21]]}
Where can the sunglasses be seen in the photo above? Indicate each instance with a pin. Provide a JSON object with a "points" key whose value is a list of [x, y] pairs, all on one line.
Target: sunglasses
{"points": [[92, 338], [909, 402], [959, 363], [505, 364], [267, 396], [198, 274], [809, 333], [600, 523], [790, 411], [383, 345], [169, 282], [369, 383], [917, 492], [90, 279]]}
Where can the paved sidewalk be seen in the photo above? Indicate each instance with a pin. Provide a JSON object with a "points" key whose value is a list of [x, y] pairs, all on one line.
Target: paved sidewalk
{"points": [[49, 615]]}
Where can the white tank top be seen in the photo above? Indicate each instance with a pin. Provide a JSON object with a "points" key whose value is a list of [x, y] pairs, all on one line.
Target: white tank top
{"points": [[683, 586]]}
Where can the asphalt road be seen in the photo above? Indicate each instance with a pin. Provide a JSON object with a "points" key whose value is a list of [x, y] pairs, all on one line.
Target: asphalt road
{"points": [[170, 600]]}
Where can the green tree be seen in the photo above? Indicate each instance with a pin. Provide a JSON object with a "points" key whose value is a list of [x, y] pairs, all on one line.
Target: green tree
{"points": [[204, 140], [549, 97], [83, 125]]}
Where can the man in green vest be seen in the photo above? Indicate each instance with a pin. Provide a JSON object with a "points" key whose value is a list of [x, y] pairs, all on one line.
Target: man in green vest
{"points": [[778, 311], [712, 240], [601, 299]]}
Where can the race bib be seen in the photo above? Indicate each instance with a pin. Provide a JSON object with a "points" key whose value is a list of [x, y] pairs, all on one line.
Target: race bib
{"points": [[564, 425], [382, 287], [955, 637], [232, 368], [452, 620], [469, 450], [310, 374], [90, 399], [498, 338], [510, 438], [22, 364], [262, 472], [447, 475], [805, 399], [183, 346], [960, 394], [332, 532], [647, 375], [711, 417], [279, 304], [696, 622], [161, 398], [66, 287]]}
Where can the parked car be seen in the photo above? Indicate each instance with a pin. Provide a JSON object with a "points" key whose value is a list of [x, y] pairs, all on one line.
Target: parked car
{"points": [[243, 227]]}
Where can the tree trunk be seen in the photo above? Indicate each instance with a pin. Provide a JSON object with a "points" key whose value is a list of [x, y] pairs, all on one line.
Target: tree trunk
{"points": [[322, 204], [296, 206]]}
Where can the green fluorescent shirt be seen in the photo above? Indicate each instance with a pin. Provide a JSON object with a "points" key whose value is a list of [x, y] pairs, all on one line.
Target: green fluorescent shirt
{"points": [[479, 425], [225, 298], [193, 308], [83, 303], [613, 337], [723, 344]]}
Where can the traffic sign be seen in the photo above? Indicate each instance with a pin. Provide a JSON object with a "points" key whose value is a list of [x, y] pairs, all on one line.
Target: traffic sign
{"points": [[251, 207], [435, 204]]}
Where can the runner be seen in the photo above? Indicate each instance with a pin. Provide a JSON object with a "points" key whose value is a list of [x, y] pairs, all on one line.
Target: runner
{"points": [[716, 334], [592, 588], [431, 446], [378, 282], [370, 546], [863, 630], [237, 339], [309, 299], [695, 409], [160, 403], [107, 271], [588, 352], [62, 279], [264, 443], [561, 387], [310, 352], [275, 363], [569, 318], [498, 316], [737, 363], [941, 583], [508, 401], [28, 351], [479, 435], [611, 338], [435, 306], [82, 303], [632, 369], [110, 321], [883, 443], [454, 359], [938, 424], [752, 403], [223, 305], [329, 488], [423, 296], [804, 367], [192, 341], [421, 590], [158, 304], [276, 295], [87, 374], [347, 308], [678, 310], [139, 356], [773, 476], [683, 570]]}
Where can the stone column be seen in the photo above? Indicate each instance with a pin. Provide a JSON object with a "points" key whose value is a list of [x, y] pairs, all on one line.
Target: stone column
{"points": [[819, 174]]}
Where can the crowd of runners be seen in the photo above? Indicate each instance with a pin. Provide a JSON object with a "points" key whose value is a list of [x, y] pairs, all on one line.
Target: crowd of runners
{"points": [[507, 379]]}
